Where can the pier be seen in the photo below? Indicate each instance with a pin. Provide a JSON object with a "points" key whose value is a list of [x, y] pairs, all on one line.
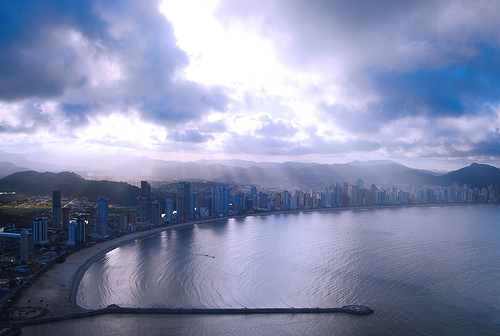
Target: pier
{"points": [[114, 309]]}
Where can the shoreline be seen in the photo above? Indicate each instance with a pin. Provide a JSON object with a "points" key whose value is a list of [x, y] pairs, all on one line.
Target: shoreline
{"points": [[58, 287]]}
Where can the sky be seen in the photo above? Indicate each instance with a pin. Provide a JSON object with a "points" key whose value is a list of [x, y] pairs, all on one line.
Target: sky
{"points": [[417, 82]]}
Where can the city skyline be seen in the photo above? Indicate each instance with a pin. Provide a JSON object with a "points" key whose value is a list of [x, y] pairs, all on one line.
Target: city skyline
{"points": [[274, 81]]}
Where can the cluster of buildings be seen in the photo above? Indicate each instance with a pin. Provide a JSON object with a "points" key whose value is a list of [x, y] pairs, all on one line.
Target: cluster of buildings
{"points": [[76, 224], [75, 231], [221, 201]]}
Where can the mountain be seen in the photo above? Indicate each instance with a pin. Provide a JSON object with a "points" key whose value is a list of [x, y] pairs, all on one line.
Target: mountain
{"points": [[7, 168], [20, 160], [71, 185], [273, 174], [475, 175], [167, 170], [380, 174], [316, 174], [371, 163]]}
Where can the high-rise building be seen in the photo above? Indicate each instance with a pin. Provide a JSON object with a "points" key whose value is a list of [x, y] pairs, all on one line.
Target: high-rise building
{"points": [[66, 212], [27, 246], [183, 201], [146, 190], [169, 210], [253, 195], [39, 227], [355, 195], [77, 232], [72, 234], [103, 214], [286, 200], [123, 222], [220, 199], [192, 204], [141, 209], [146, 194], [93, 221], [277, 201], [240, 202], [262, 201], [56, 209], [360, 183], [155, 213], [345, 194]]}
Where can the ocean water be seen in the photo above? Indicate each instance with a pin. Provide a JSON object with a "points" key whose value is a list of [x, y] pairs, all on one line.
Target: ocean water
{"points": [[423, 270]]}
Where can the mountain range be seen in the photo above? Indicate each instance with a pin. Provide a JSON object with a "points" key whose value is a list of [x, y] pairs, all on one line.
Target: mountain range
{"points": [[288, 175]]}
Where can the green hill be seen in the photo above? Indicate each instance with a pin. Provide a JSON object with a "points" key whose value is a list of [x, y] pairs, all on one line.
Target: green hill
{"points": [[70, 185]]}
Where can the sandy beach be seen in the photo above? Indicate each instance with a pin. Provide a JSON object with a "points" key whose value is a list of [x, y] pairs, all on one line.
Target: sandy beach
{"points": [[58, 286]]}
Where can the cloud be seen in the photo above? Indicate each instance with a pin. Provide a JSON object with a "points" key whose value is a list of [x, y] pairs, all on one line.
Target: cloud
{"points": [[396, 76], [35, 59], [386, 59], [218, 126], [278, 128], [97, 57], [339, 78], [189, 135]]}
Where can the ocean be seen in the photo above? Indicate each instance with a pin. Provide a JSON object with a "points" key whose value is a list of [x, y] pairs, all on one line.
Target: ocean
{"points": [[424, 271]]}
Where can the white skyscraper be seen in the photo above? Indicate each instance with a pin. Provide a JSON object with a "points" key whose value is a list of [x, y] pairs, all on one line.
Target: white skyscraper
{"points": [[220, 199], [77, 232], [39, 227]]}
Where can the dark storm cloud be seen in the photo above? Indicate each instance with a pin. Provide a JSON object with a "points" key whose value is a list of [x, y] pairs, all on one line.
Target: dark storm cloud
{"points": [[469, 88], [94, 57], [34, 61], [76, 114], [182, 102]]}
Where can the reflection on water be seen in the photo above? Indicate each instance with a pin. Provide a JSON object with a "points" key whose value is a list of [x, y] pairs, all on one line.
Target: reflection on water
{"points": [[423, 270]]}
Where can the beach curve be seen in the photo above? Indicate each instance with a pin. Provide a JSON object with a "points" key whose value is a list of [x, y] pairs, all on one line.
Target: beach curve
{"points": [[57, 288]]}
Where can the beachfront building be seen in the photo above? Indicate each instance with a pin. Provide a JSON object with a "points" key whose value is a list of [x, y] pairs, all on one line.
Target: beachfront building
{"points": [[39, 229], [77, 232], [26, 246], [103, 215], [183, 201], [220, 199], [169, 211], [123, 222]]}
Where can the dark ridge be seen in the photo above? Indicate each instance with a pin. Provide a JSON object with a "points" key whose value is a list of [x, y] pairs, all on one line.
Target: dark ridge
{"points": [[475, 175], [33, 183], [7, 168]]}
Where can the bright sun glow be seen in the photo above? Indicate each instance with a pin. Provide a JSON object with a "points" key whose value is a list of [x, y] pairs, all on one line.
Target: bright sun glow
{"points": [[130, 131], [230, 56]]}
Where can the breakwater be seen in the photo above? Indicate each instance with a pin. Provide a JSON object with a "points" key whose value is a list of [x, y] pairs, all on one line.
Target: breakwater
{"points": [[351, 309]]}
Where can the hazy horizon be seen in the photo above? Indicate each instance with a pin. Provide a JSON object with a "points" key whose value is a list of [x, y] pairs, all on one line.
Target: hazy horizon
{"points": [[107, 161], [276, 81]]}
